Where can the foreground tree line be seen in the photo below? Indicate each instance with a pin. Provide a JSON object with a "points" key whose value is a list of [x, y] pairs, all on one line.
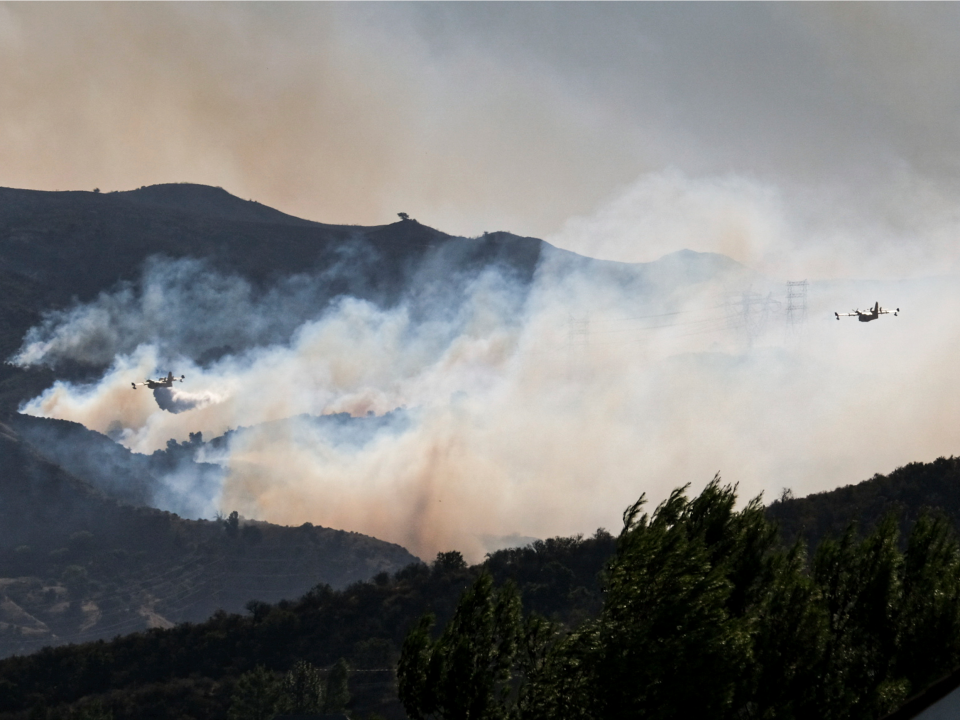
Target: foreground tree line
{"points": [[702, 609], [260, 694], [197, 670], [706, 614]]}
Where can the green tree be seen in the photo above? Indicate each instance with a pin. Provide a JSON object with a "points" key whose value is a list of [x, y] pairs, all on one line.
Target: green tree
{"points": [[258, 610], [449, 562], [337, 692], [256, 696], [929, 613], [472, 671], [789, 638], [674, 635], [705, 614], [232, 524], [302, 689], [860, 583]]}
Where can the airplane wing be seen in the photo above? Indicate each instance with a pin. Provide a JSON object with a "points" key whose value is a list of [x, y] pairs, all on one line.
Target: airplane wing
{"points": [[887, 311], [850, 314]]}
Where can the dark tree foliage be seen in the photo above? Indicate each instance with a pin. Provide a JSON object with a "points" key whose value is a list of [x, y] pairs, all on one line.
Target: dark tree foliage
{"points": [[337, 692], [706, 614], [232, 524], [908, 492], [256, 697], [846, 633], [81, 566], [193, 669], [302, 689], [557, 577], [674, 634], [449, 561], [470, 672]]}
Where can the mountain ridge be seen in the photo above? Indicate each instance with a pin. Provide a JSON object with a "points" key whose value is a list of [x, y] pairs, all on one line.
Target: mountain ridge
{"points": [[61, 249], [193, 669], [76, 564]]}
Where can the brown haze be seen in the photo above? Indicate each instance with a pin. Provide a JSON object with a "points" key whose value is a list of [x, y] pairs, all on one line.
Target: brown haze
{"points": [[814, 141], [474, 117], [315, 109]]}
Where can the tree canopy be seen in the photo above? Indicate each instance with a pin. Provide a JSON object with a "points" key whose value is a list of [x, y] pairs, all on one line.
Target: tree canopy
{"points": [[707, 614]]}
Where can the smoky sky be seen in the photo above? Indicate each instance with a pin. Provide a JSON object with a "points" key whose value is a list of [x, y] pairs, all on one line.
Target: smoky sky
{"points": [[805, 141], [476, 117]]}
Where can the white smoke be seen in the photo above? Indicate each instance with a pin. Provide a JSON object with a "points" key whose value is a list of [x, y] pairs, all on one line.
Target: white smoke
{"points": [[175, 401], [533, 411], [181, 307], [662, 212], [900, 225]]}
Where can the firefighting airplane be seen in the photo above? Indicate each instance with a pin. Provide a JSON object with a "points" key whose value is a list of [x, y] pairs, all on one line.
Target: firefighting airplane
{"points": [[868, 315], [160, 382]]}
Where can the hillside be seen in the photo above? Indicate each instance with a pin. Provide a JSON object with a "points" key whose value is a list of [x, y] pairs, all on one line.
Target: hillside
{"points": [[58, 249], [76, 564], [907, 492], [191, 670], [124, 476], [45, 237], [107, 548]]}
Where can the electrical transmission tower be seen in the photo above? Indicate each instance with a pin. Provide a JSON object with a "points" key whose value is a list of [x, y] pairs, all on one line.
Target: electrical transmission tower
{"points": [[796, 306], [755, 310]]}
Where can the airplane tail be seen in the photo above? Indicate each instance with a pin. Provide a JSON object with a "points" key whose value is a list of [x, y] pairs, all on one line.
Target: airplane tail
{"points": [[876, 308], [170, 376]]}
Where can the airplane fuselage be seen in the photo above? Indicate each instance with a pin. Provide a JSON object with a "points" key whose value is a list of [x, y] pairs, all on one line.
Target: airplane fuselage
{"points": [[168, 381], [868, 315], [153, 384]]}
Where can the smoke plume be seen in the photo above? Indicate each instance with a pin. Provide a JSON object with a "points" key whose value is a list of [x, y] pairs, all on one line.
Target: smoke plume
{"points": [[812, 142], [176, 401], [520, 409]]}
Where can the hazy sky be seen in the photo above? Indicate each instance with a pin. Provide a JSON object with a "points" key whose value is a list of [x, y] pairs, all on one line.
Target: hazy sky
{"points": [[817, 141], [798, 138]]}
